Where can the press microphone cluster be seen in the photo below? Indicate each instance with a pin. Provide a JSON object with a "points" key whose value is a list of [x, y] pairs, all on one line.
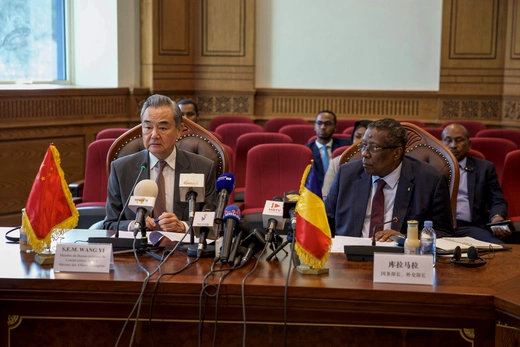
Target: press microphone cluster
{"points": [[231, 218], [272, 217], [142, 203], [203, 227]]}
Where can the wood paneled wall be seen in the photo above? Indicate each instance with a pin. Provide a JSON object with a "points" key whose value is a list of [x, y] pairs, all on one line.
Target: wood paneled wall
{"points": [[69, 118]]}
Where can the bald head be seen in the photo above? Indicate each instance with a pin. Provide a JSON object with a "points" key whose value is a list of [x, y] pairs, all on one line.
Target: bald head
{"points": [[456, 138]]}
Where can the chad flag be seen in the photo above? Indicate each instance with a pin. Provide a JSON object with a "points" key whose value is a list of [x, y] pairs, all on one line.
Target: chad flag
{"points": [[312, 235]]}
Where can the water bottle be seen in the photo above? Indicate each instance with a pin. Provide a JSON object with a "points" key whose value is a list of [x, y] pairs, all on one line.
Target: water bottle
{"points": [[428, 240]]}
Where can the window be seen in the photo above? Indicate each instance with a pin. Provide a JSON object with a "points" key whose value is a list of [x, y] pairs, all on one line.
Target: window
{"points": [[32, 41]]}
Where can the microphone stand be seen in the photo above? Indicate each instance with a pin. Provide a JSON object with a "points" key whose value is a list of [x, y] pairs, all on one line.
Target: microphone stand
{"points": [[279, 247]]}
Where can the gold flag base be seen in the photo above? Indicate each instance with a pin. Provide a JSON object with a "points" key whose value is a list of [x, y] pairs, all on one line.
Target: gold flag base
{"points": [[44, 258], [307, 270]]}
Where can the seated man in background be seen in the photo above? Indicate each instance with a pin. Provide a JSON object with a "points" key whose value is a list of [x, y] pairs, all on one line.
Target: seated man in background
{"points": [[325, 144], [357, 134], [386, 185], [480, 199], [189, 109], [161, 119]]}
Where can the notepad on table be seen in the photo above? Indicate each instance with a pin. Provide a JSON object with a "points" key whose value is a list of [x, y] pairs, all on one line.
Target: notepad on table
{"points": [[447, 245]]}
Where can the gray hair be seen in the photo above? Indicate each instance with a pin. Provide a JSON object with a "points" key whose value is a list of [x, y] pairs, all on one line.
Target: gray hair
{"points": [[157, 101]]}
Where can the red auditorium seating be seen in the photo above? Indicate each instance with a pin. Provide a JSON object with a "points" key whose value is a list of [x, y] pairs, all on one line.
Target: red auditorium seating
{"points": [[510, 134], [494, 150], [219, 120], [275, 124], [231, 132], [299, 133]]}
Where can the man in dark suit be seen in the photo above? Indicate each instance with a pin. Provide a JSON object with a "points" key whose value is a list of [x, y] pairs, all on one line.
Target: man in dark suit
{"points": [[161, 119], [480, 199], [325, 144], [189, 109], [410, 189]]}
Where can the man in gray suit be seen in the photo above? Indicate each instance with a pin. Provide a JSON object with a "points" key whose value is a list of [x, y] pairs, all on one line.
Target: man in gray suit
{"points": [[161, 119]]}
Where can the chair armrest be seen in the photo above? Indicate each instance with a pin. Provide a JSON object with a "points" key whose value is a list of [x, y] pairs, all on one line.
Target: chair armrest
{"points": [[76, 189]]}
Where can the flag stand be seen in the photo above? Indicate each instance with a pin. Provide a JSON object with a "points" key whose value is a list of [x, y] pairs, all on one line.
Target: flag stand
{"points": [[44, 258], [307, 270]]}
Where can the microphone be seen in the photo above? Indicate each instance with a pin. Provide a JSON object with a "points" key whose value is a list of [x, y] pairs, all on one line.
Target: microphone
{"points": [[144, 166], [203, 228], [225, 185], [190, 187], [242, 228], [231, 219], [272, 216], [366, 253], [289, 204], [254, 242], [143, 202], [395, 220]]}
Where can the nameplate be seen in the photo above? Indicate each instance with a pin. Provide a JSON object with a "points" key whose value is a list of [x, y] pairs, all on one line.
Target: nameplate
{"points": [[83, 257], [400, 268]]}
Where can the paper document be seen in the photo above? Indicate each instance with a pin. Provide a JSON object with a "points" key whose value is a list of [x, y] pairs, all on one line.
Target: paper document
{"points": [[170, 235], [339, 242]]}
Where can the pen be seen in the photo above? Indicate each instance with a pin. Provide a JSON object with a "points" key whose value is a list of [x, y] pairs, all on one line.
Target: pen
{"points": [[156, 220]]}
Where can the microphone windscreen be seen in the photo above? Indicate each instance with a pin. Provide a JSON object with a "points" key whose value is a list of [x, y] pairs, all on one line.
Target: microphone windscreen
{"points": [[146, 188], [208, 207], [232, 212], [226, 181]]}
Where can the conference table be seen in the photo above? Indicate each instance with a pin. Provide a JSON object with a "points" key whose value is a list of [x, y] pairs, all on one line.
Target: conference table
{"points": [[464, 307]]}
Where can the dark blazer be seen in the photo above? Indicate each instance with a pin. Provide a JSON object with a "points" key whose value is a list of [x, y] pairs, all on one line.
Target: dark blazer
{"points": [[484, 191], [422, 194], [124, 172], [316, 155]]}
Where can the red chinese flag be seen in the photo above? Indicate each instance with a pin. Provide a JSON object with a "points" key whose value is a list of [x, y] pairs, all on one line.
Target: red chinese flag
{"points": [[50, 209]]}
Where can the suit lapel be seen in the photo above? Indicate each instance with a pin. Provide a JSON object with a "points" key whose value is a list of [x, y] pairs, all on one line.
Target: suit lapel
{"points": [[361, 193], [472, 181]]}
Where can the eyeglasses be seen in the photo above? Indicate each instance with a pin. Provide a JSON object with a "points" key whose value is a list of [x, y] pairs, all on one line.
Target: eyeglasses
{"points": [[373, 148], [327, 123]]}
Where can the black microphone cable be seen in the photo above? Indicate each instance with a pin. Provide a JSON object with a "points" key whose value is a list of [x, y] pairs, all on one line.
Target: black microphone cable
{"points": [[244, 320]]}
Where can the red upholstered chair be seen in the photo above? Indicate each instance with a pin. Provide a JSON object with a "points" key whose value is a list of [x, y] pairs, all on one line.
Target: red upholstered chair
{"points": [[342, 124], [219, 120], [272, 170], [111, 133], [473, 126], [299, 133], [510, 184], [91, 203], [510, 134], [244, 144], [475, 153], [348, 131], [435, 131], [275, 124], [495, 150], [413, 121], [231, 132], [339, 151]]}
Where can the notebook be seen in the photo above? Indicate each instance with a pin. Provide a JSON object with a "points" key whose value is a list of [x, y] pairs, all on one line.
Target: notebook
{"points": [[446, 245]]}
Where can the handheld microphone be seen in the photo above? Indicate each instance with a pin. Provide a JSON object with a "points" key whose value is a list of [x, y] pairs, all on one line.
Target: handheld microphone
{"points": [[241, 230], [254, 242], [231, 219], [394, 220], [191, 186], [144, 166], [289, 204], [143, 202], [272, 216], [225, 185]]}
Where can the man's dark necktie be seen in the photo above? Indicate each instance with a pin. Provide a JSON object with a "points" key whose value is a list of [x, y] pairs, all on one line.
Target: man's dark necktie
{"points": [[160, 202], [378, 206]]}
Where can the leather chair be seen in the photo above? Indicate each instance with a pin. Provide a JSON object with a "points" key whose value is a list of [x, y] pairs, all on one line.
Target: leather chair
{"points": [[299, 133], [192, 138], [473, 126], [413, 121], [214, 123], [232, 131], [274, 125], [495, 150], [509, 134], [244, 144], [423, 146]]}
